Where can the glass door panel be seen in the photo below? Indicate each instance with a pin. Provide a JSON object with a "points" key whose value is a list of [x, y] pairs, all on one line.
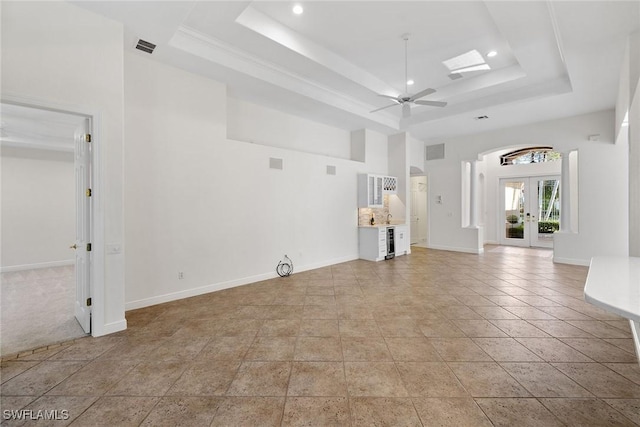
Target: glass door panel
{"points": [[513, 203], [547, 219]]}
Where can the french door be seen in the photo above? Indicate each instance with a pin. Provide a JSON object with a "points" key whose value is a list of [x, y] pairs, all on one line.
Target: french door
{"points": [[530, 211]]}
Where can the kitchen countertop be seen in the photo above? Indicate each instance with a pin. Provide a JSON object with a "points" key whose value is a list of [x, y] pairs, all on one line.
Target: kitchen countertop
{"points": [[393, 224], [613, 283]]}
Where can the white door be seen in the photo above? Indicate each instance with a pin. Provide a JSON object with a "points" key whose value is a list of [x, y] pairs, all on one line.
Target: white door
{"points": [[418, 218], [530, 211], [83, 214]]}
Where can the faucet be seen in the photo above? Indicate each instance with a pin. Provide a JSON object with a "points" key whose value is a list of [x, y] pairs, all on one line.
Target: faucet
{"points": [[389, 218]]}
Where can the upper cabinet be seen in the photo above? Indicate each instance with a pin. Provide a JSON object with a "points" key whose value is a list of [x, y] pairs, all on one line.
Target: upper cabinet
{"points": [[371, 188], [390, 185]]}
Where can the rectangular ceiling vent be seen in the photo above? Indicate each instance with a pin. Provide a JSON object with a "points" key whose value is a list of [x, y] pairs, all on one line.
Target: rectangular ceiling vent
{"points": [[455, 76], [145, 46], [435, 152]]}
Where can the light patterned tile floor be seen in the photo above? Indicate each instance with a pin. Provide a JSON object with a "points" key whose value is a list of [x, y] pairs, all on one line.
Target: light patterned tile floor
{"points": [[433, 338]]}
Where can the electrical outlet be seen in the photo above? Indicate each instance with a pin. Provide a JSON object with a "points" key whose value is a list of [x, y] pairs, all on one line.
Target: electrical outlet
{"points": [[180, 275]]}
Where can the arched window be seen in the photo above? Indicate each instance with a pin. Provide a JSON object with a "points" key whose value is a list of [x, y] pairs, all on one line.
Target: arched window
{"points": [[529, 155]]}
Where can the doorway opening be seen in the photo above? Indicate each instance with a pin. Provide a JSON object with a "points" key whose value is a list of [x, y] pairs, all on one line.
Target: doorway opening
{"points": [[530, 213], [46, 227], [418, 218]]}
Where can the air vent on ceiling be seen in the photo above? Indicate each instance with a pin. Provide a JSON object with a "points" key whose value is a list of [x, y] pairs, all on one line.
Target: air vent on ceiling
{"points": [[455, 76], [481, 117], [435, 152], [145, 46]]}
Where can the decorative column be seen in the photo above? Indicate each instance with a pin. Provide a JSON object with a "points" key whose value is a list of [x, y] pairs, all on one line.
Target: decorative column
{"points": [[473, 186], [565, 199]]}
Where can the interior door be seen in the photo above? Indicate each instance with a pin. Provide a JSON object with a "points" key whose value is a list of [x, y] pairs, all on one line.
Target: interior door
{"points": [[83, 214], [414, 214], [418, 215], [530, 213]]}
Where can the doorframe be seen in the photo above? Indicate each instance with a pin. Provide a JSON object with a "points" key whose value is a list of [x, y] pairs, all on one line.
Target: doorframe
{"points": [[97, 216]]}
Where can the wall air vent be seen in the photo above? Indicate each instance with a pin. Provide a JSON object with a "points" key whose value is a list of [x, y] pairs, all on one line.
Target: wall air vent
{"points": [[331, 170], [435, 152], [145, 46], [275, 163]]}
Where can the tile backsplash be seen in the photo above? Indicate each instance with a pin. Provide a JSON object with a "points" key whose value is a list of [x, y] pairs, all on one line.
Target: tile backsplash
{"points": [[379, 214]]}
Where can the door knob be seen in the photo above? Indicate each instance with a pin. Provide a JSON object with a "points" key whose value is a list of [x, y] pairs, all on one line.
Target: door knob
{"points": [[74, 246]]}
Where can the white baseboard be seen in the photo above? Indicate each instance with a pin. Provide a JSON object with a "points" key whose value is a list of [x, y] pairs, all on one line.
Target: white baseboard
{"points": [[13, 268], [635, 332], [457, 249], [109, 328], [187, 293], [571, 261]]}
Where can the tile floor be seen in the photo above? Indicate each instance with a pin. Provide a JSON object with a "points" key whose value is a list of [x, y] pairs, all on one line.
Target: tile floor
{"points": [[434, 338]]}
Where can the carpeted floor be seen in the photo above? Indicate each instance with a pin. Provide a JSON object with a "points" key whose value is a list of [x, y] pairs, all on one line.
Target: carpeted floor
{"points": [[37, 309]]}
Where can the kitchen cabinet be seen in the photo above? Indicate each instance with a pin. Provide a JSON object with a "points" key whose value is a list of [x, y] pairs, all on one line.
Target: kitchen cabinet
{"points": [[372, 243], [402, 239], [370, 191], [389, 185], [372, 188]]}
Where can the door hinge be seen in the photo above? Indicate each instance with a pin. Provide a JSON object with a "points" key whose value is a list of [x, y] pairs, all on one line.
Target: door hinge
{"points": [[88, 192], [89, 302], [88, 247], [87, 137]]}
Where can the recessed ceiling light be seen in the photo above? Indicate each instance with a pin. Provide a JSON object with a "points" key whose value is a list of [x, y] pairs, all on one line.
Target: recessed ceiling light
{"points": [[410, 82], [297, 9], [492, 54]]}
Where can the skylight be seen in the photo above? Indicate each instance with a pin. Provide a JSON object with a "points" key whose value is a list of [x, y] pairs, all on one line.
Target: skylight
{"points": [[470, 61]]}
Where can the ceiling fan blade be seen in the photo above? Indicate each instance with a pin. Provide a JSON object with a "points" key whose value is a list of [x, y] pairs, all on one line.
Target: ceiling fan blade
{"points": [[431, 103], [406, 110], [395, 98], [382, 108], [422, 93]]}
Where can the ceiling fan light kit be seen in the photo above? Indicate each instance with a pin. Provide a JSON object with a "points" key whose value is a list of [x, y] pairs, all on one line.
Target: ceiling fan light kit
{"points": [[406, 99]]}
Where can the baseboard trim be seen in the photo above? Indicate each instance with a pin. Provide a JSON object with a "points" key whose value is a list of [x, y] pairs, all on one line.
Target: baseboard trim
{"points": [[109, 328], [13, 268], [457, 249], [571, 261], [188, 293]]}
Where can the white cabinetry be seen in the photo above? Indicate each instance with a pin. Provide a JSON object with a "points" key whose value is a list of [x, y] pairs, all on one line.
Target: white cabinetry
{"points": [[372, 243], [371, 188], [389, 185], [402, 239], [370, 191]]}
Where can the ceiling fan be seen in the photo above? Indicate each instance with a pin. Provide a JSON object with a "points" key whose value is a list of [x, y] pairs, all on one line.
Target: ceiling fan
{"points": [[406, 99]]}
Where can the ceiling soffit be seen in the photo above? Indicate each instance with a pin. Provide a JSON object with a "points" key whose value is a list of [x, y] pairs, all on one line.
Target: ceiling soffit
{"points": [[532, 65]]}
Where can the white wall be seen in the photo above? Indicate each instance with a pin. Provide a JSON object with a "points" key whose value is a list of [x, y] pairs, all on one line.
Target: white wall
{"points": [[209, 206], [57, 53], [628, 104], [599, 199], [260, 125], [38, 208]]}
